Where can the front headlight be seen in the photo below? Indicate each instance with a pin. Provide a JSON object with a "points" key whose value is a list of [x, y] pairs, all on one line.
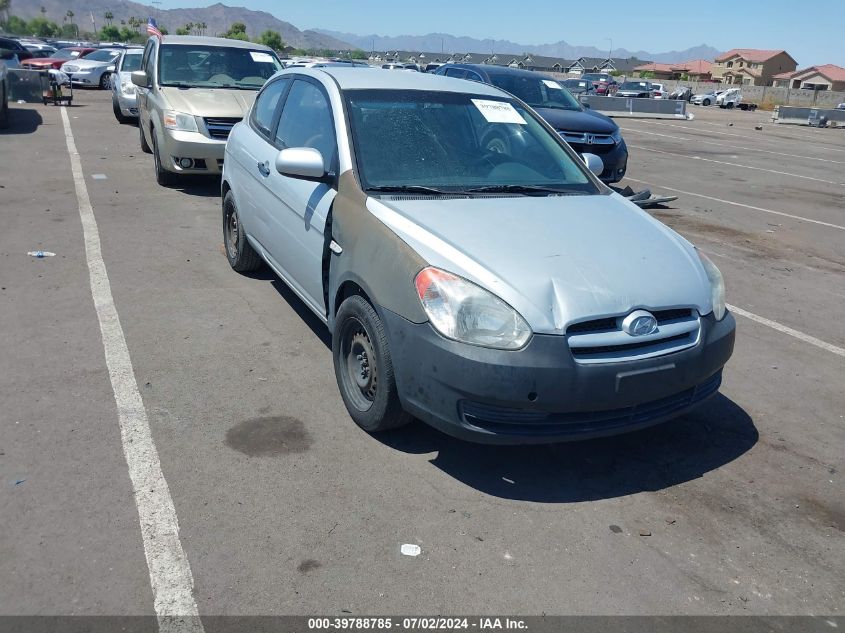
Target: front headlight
{"points": [[717, 285], [127, 88], [180, 121], [617, 135], [460, 310]]}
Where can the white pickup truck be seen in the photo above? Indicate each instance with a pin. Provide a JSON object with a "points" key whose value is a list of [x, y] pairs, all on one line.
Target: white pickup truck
{"points": [[732, 98]]}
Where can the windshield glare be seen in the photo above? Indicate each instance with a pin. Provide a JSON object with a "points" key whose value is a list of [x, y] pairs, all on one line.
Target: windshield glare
{"points": [[537, 92], [215, 67], [64, 53], [102, 56], [634, 85], [454, 142]]}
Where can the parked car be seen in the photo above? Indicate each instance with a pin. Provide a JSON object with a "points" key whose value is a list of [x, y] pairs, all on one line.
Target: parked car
{"points": [[637, 89], [392, 66], [430, 68], [705, 98], [841, 106], [578, 87], [658, 91], [4, 95], [681, 93], [95, 69], [14, 59], [191, 92], [40, 52], [124, 93], [12, 44], [501, 297], [605, 84], [584, 129], [730, 98], [57, 59]]}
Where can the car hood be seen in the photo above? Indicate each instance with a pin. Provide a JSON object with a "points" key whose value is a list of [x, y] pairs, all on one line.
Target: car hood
{"points": [[45, 62], [556, 259], [210, 102], [578, 120]]}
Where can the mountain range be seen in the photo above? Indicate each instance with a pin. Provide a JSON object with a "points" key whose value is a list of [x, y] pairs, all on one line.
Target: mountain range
{"points": [[437, 42], [218, 17]]}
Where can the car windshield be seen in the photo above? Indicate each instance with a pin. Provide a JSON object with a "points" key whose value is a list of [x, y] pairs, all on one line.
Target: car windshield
{"points": [[537, 92], [446, 142], [215, 67], [65, 53], [595, 77], [634, 85], [102, 56], [131, 62]]}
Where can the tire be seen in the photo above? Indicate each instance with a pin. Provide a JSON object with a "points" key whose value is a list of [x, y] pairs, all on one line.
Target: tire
{"points": [[4, 112], [105, 81], [145, 147], [242, 257], [706, 102], [364, 369], [163, 177], [117, 113]]}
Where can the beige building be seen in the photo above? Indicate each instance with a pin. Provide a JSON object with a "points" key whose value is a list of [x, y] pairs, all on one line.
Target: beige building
{"points": [[751, 67], [824, 77]]}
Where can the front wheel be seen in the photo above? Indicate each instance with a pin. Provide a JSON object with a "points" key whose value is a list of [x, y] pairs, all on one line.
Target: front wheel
{"points": [[145, 147], [364, 369], [706, 102], [117, 113], [242, 257], [163, 177]]}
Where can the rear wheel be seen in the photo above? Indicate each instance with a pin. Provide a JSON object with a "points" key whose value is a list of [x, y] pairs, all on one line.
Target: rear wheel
{"points": [[242, 257], [706, 102], [163, 177], [105, 81], [364, 369]]}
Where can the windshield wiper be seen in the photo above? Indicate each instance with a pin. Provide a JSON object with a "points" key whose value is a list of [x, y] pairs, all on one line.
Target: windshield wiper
{"points": [[407, 189], [527, 189]]}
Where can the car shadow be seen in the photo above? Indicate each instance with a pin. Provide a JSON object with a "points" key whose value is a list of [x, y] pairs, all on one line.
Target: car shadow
{"points": [[22, 121], [199, 186], [681, 450]]}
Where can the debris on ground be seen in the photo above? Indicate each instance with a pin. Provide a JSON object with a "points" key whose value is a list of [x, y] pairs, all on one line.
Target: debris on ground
{"points": [[645, 532], [409, 549], [758, 127], [41, 254], [643, 199]]}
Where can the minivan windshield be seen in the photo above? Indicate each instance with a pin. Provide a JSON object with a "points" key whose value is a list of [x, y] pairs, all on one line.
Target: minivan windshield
{"points": [[102, 56], [635, 85], [186, 66], [432, 142], [538, 92], [131, 62]]}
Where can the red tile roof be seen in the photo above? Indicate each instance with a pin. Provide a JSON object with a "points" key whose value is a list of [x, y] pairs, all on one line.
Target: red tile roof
{"points": [[697, 67], [749, 54], [831, 72]]}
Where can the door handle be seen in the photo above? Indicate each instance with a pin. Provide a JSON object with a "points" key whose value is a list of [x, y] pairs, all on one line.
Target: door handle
{"points": [[264, 169]]}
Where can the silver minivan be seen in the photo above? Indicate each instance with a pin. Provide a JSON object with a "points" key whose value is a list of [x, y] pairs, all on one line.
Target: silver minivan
{"points": [[472, 271]]}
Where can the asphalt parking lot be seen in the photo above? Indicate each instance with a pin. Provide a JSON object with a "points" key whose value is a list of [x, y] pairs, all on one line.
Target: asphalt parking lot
{"points": [[285, 507]]}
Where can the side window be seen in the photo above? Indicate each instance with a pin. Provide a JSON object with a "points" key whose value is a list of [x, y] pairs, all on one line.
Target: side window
{"points": [[264, 110], [474, 76], [149, 61], [457, 73], [306, 121]]}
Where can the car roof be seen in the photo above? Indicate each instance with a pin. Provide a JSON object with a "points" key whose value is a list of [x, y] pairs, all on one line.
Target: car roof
{"points": [[196, 40], [379, 79], [500, 71]]}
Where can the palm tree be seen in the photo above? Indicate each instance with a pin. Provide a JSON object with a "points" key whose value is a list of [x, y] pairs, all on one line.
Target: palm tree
{"points": [[43, 11], [5, 5], [189, 27], [203, 27], [69, 15], [109, 16]]}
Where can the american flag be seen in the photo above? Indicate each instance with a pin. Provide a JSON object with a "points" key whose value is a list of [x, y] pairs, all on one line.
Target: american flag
{"points": [[152, 28]]}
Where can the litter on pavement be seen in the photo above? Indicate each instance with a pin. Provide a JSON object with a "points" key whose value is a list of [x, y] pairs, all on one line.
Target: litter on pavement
{"points": [[41, 254], [409, 549]]}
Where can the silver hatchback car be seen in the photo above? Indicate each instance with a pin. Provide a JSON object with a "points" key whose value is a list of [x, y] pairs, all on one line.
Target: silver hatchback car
{"points": [[472, 271]]}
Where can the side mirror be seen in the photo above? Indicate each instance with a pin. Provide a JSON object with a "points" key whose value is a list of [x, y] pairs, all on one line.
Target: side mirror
{"points": [[140, 79], [594, 163], [301, 162]]}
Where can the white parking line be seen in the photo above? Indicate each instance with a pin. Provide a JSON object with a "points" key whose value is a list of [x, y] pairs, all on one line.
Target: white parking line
{"points": [[170, 573], [722, 162], [759, 137], [751, 149], [812, 340], [739, 204]]}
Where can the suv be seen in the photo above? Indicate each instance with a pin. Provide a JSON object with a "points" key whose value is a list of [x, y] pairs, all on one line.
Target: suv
{"points": [[191, 92], [584, 129]]}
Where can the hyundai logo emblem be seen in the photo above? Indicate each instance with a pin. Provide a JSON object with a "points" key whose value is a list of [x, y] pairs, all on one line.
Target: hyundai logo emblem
{"points": [[639, 323]]}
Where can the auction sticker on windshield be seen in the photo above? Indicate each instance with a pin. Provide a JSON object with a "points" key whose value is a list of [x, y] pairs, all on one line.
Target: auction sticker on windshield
{"points": [[498, 111], [261, 57], [552, 84]]}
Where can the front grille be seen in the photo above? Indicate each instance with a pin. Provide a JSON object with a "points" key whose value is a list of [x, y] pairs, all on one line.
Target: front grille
{"points": [[219, 128], [502, 420], [603, 340], [586, 138]]}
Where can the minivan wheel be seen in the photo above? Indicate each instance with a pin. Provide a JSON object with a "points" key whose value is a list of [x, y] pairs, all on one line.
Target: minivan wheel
{"points": [[363, 368], [145, 147], [163, 177], [242, 257]]}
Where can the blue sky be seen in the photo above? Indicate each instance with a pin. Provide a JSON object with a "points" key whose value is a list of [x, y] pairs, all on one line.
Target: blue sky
{"points": [[813, 33]]}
